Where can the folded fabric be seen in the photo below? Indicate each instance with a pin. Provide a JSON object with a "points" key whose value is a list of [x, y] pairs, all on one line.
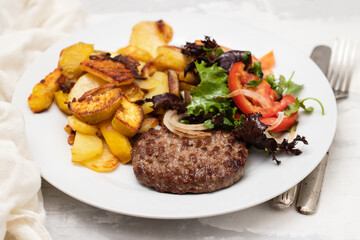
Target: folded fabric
{"points": [[27, 27]]}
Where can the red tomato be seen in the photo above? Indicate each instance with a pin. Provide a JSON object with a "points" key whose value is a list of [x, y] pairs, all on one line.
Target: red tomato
{"points": [[285, 124], [269, 108]]}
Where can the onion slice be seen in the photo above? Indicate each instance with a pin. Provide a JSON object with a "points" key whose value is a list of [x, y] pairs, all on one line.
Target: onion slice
{"points": [[277, 121], [171, 121], [248, 93]]}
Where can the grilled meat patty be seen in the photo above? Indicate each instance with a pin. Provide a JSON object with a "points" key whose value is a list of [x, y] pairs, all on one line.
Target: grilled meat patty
{"points": [[170, 163]]}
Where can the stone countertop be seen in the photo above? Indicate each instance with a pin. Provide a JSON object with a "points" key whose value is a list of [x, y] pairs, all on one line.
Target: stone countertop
{"points": [[303, 23]]}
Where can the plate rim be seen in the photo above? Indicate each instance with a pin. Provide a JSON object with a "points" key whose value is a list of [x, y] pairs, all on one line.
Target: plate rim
{"points": [[186, 216]]}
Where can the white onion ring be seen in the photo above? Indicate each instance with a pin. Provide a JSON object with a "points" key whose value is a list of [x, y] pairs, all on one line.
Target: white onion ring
{"points": [[170, 123], [277, 121], [174, 119]]}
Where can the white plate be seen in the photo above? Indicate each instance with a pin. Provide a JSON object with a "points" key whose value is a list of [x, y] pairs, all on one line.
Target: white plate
{"points": [[119, 190]]}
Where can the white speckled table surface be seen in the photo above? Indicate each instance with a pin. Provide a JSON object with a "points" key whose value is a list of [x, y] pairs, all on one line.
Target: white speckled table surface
{"points": [[305, 24]]}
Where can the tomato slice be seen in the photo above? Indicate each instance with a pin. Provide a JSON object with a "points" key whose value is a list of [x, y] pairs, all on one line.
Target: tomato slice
{"points": [[268, 107], [285, 124]]}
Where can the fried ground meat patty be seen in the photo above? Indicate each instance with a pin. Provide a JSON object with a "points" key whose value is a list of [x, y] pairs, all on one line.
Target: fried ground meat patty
{"points": [[170, 163]]}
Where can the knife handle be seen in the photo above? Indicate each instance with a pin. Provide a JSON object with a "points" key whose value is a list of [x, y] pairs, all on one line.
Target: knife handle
{"points": [[310, 189]]}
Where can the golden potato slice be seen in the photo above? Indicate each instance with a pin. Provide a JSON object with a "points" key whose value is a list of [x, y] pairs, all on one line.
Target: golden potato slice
{"points": [[72, 56], [173, 80], [128, 118], [132, 92], [61, 100], [148, 123], [79, 126], [98, 106], [119, 144], [170, 57], [120, 69], [150, 35], [186, 86], [86, 146], [190, 78], [85, 83], [148, 84], [136, 53], [106, 162], [43, 92], [161, 88], [148, 70]]}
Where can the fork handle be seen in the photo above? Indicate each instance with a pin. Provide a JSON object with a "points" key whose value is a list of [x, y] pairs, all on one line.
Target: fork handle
{"points": [[310, 189]]}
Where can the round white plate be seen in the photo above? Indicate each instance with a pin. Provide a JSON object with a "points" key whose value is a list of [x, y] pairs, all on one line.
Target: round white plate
{"points": [[119, 190]]}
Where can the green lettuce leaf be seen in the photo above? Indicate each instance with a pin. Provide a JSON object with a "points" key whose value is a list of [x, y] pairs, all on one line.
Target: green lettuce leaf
{"points": [[205, 97]]}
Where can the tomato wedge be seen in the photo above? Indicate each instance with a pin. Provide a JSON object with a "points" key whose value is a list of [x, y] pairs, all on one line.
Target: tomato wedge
{"points": [[285, 124], [268, 106]]}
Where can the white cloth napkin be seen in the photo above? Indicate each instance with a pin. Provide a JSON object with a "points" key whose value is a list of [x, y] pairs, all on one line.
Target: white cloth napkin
{"points": [[27, 27]]}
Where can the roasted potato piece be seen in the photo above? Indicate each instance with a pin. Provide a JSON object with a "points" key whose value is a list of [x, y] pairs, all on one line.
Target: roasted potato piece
{"points": [[186, 86], [61, 100], [161, 88], [85, 83], [106, 162], [128, 118], [148, 123], [136, 53], [148, 70], [132, 92], [79, 126], [43, 92], [149, 35], [98, 106], [170, 57], [119, 144], [86, 146], [173, 80], [190, 78], [120, 69], [148, 84], [72, 56]]}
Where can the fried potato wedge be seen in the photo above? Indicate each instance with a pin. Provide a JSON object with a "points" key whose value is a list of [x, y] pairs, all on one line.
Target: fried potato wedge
{"points": [[186, 86], [79, 126], [190, 78], [173, 80], [106, 162], [98, 106], [43, 92], [85, 83], [118, 143], [148, 35], [136, 53], [128, 118], [120, 69], [132, 92], [148, 84], [148, 123], [61, 99], [161, 88], [72, 56], [148, 69], [170, 57], [86, 146]]}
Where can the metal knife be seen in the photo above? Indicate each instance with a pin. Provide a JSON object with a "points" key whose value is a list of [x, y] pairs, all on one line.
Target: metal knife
{"points": [[310, 187]]}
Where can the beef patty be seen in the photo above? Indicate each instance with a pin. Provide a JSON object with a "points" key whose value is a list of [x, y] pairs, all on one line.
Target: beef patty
{"points": [[170, 163]]}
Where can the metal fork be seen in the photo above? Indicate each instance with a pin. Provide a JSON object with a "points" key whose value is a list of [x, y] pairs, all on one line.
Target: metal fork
{"points": [[342, 66], [339, 74]]}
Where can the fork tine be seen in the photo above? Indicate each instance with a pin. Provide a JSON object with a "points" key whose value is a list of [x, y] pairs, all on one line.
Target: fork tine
{"points": [[341, 66], [351, 66], [337, 64]]}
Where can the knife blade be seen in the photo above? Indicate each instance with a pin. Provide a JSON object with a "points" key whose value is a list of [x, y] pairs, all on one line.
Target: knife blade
{"points": [[321, 56], [310, 188]]}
